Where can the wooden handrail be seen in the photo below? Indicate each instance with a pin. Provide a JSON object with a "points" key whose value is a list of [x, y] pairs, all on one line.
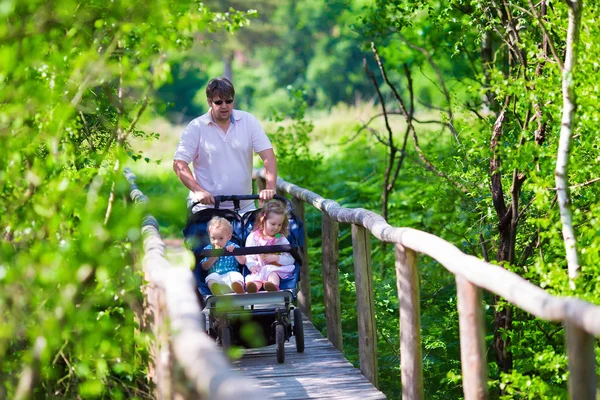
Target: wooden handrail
{"points": [[493, 278], [582, 318], [171, 295]]}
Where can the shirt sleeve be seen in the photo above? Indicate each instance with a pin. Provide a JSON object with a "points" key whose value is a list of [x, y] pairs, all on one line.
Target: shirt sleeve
{"points": [[260, 141], [188, 143], [285, 258], [251, 259]]}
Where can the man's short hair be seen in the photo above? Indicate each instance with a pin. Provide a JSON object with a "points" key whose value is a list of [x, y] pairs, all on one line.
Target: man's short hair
{"points": [[221, 87]]}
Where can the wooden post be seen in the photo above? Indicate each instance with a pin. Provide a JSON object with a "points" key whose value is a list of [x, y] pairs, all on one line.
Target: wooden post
{"points": [[472, 340], [411, 362], [582, 363], [161, 368], [331, 285], [304, 294], [367, 334]]}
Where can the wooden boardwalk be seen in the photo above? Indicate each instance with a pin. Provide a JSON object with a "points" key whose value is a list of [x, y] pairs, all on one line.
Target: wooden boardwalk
{"points": [[321, 372]]}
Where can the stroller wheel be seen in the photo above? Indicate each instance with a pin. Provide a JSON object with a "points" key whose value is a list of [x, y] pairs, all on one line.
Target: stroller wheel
{"points": [[279, 342], [298, 330]]}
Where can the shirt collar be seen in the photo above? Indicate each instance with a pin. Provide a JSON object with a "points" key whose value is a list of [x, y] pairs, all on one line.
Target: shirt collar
{"points": [[208, 119]]}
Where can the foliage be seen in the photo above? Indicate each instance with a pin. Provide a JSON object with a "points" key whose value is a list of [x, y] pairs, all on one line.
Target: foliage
{"points": [[76, 78], [521, 78], [295, 161]]}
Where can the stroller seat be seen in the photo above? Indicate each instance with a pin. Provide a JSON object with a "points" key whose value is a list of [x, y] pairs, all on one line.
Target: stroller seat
{"points": [[273, 312]]}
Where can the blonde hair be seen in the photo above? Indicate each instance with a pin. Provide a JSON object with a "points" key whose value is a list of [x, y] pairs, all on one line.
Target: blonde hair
{"points": [[217, 222], [272, 207]]}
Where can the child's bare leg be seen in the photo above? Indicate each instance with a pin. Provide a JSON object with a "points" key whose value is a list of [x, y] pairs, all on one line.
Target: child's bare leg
{"points": [[253, 286], [272, 284], [237, 287]]}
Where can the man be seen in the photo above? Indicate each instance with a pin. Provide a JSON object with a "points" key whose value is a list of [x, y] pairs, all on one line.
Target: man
{"points": [[221, 143]]}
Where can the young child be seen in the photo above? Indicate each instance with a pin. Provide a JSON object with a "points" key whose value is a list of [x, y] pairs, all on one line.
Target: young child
{"points": [[268, 269], [223, 272]]}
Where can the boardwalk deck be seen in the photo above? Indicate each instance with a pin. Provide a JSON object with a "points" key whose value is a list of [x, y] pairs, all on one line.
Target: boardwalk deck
{"points": [[321, 372]]}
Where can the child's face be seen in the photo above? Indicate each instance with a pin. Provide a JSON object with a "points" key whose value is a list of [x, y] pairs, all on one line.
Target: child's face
{"points": [[219, 236], [273, 224]]}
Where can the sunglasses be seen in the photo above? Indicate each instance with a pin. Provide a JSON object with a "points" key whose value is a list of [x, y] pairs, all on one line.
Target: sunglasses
{"points": [[219, 102]]}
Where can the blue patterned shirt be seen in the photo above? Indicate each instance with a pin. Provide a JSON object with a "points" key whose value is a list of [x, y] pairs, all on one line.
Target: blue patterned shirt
{"points": [[224, 264]]}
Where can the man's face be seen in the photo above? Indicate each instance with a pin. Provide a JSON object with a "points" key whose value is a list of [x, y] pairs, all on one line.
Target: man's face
{"points": [[219, 236], [221, 111]]}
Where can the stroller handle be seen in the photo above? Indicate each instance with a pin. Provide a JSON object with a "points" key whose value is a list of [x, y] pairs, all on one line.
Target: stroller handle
{"points": [[236, 198]]}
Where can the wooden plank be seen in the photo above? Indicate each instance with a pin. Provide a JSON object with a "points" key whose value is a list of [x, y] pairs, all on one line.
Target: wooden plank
{"points": [[582, 364], [367, 335], [411, 364], [331, 285], [472, 340], [321, 372], [304, 302]]}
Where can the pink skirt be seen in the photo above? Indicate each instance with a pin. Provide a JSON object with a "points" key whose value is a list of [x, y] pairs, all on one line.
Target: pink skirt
{"points": [[284, 272]]}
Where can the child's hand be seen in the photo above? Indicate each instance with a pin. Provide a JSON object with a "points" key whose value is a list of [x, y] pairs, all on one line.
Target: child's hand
{"points": [[254, 270], [230, 247], [271, 258]]}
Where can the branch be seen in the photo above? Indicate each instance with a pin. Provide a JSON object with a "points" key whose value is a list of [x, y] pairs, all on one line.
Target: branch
{"points": [[584, 183], [409, 127], [497, 191], [484, 251], [547, 36], [375, 133], [381, 99], [440, 79], [87, 130], [136, 120], [387, 81], [470, 108], [430, 167]]}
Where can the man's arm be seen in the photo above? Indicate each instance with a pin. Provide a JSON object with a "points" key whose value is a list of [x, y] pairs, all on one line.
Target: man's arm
{"points": [[270, 164], [184, 173]]}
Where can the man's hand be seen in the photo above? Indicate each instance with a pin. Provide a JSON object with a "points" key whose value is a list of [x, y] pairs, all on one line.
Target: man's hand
{"points": [[266, 195], [204, 197]]}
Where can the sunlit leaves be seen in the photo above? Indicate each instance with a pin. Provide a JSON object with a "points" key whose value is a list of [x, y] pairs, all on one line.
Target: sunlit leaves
{"points": [[75, 77]]}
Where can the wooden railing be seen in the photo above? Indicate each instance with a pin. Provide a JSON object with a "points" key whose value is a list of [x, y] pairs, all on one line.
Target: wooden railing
{"points": [[581, 318], [187, 363]]}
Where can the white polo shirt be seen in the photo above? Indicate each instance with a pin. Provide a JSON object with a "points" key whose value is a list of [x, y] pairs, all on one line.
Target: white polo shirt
{"points": [[223, 161]]}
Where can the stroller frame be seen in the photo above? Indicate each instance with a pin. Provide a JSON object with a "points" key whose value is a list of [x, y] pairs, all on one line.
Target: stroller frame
{"points": [[225, 315]]}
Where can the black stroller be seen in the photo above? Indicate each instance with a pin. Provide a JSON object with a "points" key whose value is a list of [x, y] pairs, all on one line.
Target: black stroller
{"points": [[236, 319]]}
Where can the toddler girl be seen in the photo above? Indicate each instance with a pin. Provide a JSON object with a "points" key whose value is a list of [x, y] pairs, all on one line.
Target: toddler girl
{"points": [[270, 229]]}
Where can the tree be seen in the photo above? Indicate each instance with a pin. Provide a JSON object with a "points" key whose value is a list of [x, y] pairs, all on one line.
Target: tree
{"points": [[504, 64], [77, 78]]}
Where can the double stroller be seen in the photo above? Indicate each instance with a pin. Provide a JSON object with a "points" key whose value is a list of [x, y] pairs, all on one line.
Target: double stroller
{"points": [[249, 319]]}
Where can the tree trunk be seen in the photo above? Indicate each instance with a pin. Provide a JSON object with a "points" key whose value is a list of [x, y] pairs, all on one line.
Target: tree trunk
{"points": [[503, 316], [564, 144], [228, 66]]}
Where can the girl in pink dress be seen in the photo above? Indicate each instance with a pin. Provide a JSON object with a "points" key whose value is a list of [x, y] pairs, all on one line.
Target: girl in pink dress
{"points": [[270, 229]]}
